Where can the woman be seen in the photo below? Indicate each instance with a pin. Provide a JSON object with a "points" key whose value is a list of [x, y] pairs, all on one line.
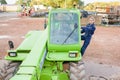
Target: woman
{"points": [[88, 32]]}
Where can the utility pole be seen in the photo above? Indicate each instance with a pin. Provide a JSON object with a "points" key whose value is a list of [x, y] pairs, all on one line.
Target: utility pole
{"points": [[65, 3]]}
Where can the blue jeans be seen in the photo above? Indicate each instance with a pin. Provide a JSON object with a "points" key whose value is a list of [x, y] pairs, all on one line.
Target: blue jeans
{"points": [[85, 44]]}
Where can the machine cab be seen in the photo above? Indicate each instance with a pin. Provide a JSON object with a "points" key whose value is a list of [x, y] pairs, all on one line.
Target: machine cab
{"points": [[64, 30]]}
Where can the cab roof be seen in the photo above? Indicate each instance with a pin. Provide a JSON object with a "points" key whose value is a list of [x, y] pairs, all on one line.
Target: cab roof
{"points": [[64, 10]]}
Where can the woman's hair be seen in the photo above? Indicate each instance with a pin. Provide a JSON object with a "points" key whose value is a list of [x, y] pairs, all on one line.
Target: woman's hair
{"points": [[91, 17]]}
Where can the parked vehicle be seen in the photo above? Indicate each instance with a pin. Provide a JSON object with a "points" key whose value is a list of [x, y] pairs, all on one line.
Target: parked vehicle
{"points": [[84, 13], [52, 54]]}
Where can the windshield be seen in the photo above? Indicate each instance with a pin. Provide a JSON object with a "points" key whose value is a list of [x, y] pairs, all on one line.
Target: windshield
{"points": [[62, 28]]}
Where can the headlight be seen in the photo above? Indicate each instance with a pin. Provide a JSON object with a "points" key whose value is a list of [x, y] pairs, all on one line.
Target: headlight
{"points": [[73, 54], [12, 54]]}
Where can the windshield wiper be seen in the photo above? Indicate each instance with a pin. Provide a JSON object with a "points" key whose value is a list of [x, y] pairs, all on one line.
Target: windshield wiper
{"points": [[75, 27]]}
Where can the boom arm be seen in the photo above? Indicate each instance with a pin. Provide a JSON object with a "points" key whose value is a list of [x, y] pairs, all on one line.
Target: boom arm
{"points": [[31, 67]]}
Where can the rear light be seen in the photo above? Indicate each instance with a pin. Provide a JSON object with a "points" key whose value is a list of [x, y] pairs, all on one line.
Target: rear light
{"points": [[12, 54]]}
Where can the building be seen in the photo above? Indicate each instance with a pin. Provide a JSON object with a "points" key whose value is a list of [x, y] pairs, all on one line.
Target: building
{"points": [[9, 7]]}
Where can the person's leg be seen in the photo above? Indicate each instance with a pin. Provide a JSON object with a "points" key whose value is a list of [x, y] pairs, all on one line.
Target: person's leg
{"points": [[85, 45], [82, 37]]}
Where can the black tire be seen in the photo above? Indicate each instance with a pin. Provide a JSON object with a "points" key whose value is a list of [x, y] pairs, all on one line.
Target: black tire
{"points": [[8, 69], [77, 71]]}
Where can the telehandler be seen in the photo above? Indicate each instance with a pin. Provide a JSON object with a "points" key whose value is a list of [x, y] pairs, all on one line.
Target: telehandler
{"points": [[51, 54]]}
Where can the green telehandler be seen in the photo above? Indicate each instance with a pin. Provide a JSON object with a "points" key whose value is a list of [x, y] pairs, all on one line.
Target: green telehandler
{"points": [[52, 54]]}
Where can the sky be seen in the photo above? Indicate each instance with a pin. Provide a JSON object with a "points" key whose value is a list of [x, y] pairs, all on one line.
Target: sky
{"points": [[91, 1], [11, 1], [85, 1]]}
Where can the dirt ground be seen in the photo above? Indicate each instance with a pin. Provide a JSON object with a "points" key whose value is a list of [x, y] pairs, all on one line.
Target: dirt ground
{"points": [[103, 49], [105, 46], [15, 29]]}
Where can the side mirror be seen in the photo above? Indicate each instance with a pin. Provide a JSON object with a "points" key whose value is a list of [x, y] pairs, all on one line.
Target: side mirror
{"points": [[45, 25], [11, 45]]}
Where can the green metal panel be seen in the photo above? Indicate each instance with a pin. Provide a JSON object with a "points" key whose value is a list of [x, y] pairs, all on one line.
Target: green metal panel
{"points": [[58, 48], [57, 76], [30, 40], [22, 77], [25, 46], [61, 56], [51, 71], [34, 60], [37, 51], [19, 57], [26, 70], [25, 73]]}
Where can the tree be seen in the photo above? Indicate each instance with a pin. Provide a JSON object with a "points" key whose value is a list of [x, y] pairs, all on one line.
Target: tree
{"points": [[3, 2], [56, 3], [19, 2], [23, 2], [53, 3]]}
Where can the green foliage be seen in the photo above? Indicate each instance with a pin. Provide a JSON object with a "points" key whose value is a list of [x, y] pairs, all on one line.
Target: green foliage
{"points": [[19, 2], [57, 3], [23, 2], [53, 3], [3, 2]]}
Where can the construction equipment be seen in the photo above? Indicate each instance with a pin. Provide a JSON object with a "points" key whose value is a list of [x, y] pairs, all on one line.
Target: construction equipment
{"points": [[111, 15], [52, 54]]}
